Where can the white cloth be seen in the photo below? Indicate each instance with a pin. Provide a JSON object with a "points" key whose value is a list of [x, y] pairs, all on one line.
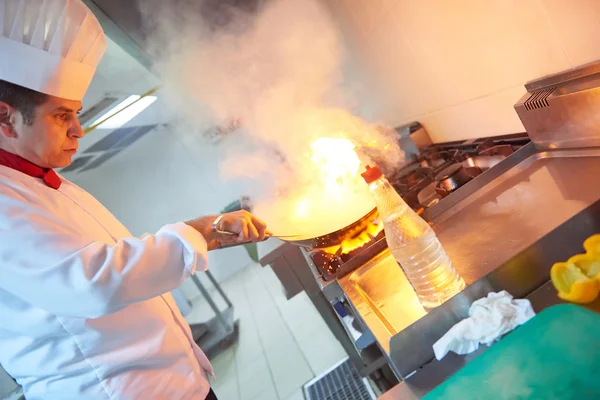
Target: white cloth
{"points": [[489, 319], [51, 46], [85, 311]]}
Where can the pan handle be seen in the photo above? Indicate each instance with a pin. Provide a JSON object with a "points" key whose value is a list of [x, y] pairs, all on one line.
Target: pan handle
{"points": [[234, 244], [285, 238], [227, 245]]}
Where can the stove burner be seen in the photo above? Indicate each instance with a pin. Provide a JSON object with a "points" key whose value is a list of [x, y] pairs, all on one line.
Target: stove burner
{"points": [[431, 160], [409, 181], [454, 176], [490, 148], [482, 162], [443, 168], [429, 196], [448, 172]]}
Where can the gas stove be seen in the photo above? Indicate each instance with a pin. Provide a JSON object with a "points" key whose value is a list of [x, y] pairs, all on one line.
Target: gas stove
{"points": [[443, 168], [436, 173]]}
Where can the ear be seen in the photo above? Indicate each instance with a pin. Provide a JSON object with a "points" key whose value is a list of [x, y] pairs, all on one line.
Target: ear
{"points": [[7, 120]]}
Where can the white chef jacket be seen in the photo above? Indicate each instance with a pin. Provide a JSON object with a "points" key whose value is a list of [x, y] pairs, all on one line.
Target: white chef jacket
{"points": [[85, 309]]}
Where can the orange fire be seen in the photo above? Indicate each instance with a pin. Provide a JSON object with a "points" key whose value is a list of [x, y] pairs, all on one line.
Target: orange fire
{"points": [[366, 233], [336, 159], [338, 164], [371, 231], [303, 206], [338, 191]]}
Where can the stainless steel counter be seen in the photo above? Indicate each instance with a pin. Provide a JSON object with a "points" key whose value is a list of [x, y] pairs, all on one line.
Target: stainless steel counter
{"points": [[383, 298], [498, 219], [512, 212]]}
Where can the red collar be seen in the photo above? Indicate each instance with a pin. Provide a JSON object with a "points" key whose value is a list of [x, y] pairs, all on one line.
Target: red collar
{"points": [[18, 163]]}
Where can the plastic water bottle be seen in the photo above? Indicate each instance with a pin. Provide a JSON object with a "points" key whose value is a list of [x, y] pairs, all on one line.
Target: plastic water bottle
{"points": [[414, 244]]}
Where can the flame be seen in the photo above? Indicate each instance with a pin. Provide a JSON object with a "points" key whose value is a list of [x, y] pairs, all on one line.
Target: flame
{"points": [[338, 167], [303, 208], [353, 243], [337, 164], [337, 161]]}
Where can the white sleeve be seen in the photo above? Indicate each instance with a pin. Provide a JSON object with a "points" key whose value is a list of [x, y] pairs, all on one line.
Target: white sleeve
{"points": [[45, 263]]}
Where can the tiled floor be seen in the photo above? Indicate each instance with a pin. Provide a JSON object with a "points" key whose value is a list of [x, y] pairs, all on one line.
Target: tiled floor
{"points": [[282, 345]]}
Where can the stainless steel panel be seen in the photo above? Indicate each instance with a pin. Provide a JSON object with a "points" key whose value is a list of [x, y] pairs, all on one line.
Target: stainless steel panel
{"points": [[583, 71], [485, 230], [560, 111], [383, 298], [512, 212]]}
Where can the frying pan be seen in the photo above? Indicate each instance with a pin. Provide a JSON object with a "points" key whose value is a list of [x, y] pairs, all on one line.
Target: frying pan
{"points": [[318, 242]]}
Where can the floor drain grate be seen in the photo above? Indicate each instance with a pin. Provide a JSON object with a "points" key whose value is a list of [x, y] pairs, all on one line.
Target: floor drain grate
{"points": [[341, 382]]}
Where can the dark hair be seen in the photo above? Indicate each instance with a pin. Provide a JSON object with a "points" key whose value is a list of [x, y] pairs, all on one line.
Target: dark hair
{"points": [[22, 99]]}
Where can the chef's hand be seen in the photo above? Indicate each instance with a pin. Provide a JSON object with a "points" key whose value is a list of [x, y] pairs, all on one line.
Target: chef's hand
{"points": [[245, 226]]}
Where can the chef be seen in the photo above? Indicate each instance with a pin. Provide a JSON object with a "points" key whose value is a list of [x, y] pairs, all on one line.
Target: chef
{"points": [[85, 309]]}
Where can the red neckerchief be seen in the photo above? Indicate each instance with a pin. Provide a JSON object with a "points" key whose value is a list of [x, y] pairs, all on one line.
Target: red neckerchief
{"points": [[18, 163]]}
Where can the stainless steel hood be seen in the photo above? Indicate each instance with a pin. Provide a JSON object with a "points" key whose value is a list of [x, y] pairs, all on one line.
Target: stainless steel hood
{"points": [[560, 110], [123, 22]]}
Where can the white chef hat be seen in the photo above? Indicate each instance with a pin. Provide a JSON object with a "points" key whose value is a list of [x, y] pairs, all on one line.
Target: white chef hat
{"points": [[51, 46]]}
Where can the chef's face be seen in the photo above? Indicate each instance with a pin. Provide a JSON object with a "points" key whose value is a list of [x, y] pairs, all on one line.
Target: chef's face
{"points": [[51, 139]]}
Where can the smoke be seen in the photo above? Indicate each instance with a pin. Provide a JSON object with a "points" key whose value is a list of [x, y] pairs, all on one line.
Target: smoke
{"points": [[277, 68]]}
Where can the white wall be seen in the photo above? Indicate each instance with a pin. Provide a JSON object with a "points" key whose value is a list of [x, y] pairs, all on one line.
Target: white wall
{"points": [[459, 66]]}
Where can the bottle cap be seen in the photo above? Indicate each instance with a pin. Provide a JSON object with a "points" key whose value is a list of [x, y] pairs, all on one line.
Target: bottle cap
{"points": [[372, 174]]}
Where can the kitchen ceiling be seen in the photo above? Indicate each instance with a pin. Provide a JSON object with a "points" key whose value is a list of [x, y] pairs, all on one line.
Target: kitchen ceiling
{"points": [[126, 16]]}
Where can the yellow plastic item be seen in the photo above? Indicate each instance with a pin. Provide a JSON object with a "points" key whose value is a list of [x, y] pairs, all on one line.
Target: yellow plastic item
{"points": [[592, 245], [572, 284], [588, 263]]}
